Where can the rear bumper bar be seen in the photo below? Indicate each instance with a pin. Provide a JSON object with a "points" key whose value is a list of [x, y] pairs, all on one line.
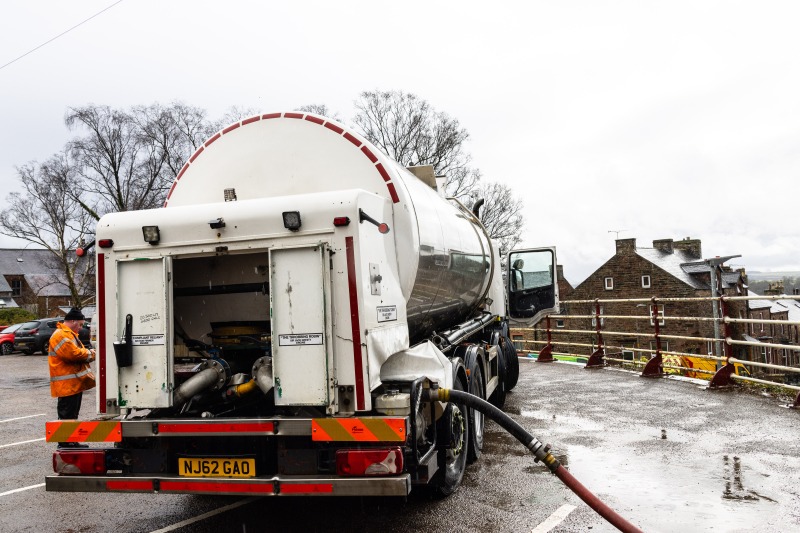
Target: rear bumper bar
{"points": [[273, 486]]}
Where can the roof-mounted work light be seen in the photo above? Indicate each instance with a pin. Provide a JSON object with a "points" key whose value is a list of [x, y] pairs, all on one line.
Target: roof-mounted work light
{"points": [[151, 234], [291, 220]]}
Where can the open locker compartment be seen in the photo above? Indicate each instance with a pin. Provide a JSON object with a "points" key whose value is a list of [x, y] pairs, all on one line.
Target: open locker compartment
{"points": [[221, 309]]}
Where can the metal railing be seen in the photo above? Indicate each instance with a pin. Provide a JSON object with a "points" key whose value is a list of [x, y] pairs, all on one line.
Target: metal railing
{"points": [[610, 341]]}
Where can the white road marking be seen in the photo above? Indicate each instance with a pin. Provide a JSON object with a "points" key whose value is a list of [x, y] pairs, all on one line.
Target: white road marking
{"points": [[203, 516], [20, 490], [23, 442], [554, 519], [21, 417]]}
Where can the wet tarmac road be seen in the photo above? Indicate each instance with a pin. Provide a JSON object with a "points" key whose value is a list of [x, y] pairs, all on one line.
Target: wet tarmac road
{"points": [[666, 454]]}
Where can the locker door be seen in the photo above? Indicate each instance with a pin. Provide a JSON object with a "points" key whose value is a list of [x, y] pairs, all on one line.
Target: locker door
{"points": [[144, 291], [299, 315]]}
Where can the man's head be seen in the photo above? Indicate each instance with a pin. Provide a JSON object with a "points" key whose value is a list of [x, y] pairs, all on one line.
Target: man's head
{"points": [[74, 319]]}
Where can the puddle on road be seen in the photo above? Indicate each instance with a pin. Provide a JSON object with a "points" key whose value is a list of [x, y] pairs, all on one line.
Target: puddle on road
{"points": [[691, 492], [567, 422]]}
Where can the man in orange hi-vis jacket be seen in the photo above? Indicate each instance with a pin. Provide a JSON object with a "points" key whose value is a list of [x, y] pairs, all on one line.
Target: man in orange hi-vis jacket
{"points": [[70, 373]]}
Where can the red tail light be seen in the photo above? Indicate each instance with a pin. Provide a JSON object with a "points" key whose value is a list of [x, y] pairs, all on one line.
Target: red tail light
{"points": [[84, 462], [372, 462]]}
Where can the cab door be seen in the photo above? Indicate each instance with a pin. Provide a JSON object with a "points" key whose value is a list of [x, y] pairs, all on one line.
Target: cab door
{"points": [[531, 285]]}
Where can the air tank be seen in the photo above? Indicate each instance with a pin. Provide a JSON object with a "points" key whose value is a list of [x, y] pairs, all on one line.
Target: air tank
{"points": [[444, 256]]}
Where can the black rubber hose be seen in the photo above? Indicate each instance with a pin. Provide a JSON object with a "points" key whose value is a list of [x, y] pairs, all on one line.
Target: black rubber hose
{"points": [[540, 451]]}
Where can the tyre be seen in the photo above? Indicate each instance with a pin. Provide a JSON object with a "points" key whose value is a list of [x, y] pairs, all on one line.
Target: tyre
{"points": [[27, 352], [498, 397], [477, 388], [512, 363], [6, 348], [453, 459]]}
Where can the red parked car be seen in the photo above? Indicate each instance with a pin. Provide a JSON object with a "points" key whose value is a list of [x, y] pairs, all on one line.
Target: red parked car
{"points": [[7, 339]]}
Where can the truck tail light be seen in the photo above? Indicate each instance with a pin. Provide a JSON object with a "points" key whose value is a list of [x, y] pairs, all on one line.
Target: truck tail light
{"points": [[372, 462], [84, 462], [341, 221]]}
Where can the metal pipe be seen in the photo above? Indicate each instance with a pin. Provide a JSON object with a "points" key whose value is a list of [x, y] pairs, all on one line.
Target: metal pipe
{"points": [[205, 379], [456, 336], [262, 374]]}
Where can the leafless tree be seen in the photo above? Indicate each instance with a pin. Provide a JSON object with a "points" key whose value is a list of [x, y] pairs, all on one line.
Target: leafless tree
{"points": [[128, 159], [501, 214], [49, 213], [235, 114], [170, 134], [411, 132], [321, 109]]}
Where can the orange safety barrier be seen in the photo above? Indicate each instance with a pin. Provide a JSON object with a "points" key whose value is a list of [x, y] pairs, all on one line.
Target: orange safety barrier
{"points": [[75, 431], [358, 429]]}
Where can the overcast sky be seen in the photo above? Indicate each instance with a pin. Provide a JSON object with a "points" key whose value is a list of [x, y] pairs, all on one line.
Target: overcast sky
{"points": [[655, 119]]}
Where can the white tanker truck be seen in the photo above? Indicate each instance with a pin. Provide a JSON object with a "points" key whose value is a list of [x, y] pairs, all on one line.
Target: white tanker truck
{"points": [[271, 329]]}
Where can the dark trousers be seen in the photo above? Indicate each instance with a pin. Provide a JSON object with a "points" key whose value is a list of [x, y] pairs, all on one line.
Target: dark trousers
{"points": [[69, 406]]}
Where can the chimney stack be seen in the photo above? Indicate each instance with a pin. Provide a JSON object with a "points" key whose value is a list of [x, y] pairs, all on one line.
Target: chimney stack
{"points": [[626, 246], [690, 247], [663, 245]]}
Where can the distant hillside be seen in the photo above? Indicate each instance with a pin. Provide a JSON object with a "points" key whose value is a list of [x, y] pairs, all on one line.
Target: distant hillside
{"points": [[759, 282], [771, 276]]}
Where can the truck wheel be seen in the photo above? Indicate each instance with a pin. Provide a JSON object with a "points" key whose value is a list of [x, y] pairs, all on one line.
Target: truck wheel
{"points": [[7, 348], [498, 397], [512, 363], [476, 420], [453, 460]]}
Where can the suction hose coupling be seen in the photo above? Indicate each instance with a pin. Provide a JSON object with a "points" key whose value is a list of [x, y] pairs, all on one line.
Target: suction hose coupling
{"points": [[540, 451]]}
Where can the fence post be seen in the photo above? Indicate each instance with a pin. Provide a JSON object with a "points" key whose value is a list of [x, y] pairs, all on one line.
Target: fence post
{"points": [[655, 366], [596, 359], [546, 354], [722, 377]]}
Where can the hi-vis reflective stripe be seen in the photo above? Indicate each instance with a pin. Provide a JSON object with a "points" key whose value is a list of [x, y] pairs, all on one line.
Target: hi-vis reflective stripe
{"points": [[71, 376], [358, 429], [74, 431]]}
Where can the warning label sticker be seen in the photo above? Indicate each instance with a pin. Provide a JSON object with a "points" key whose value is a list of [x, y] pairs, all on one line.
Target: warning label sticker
{"points": [[148, 340], [299, 339], [387, 313]]}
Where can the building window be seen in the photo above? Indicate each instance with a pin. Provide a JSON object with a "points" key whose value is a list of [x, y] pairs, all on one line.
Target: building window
{"points": [[16, 287], [761, 317], [659, 313], [609, 284], [602, 320], [645, 282], [519, 343], [559, 322], [664, 346], [710, 347]]}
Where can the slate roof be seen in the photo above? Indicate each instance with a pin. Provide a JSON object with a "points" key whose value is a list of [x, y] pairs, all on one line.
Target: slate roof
{"points": [[792, 306], [673, 263], [757, 304], [37, 266]]}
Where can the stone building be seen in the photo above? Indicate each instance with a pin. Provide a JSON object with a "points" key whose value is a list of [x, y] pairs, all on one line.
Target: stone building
{"points": [[670, 269], [783, 309], [36, 282]]}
